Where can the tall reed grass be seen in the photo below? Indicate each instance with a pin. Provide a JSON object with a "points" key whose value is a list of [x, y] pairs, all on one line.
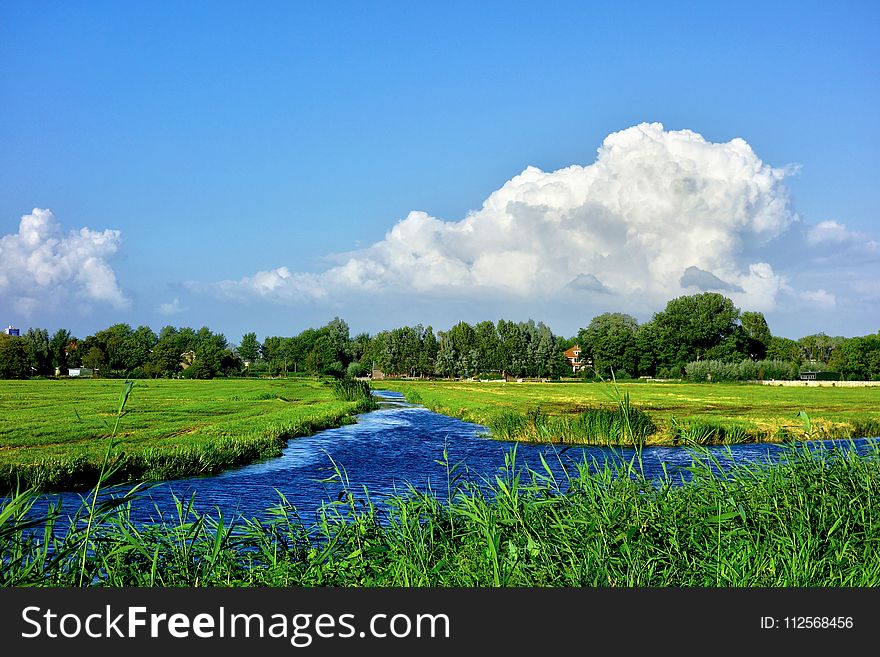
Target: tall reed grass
{"points": [[621, 424]]}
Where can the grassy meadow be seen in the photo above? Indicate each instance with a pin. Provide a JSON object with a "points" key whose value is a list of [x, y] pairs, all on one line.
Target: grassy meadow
{"points": [[54, 432], [680, 412]]}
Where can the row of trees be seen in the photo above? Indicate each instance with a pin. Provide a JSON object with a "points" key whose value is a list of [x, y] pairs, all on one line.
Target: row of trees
{"points": [[708, 327], [119, 351], [691, 328], [696, 328], [486, 348]]}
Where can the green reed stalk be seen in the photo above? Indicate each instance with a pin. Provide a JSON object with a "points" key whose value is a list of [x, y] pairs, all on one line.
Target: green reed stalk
{"points": [[104, 474]]}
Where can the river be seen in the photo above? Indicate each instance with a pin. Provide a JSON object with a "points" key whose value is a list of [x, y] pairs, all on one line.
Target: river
{"points": [[394, 447]]}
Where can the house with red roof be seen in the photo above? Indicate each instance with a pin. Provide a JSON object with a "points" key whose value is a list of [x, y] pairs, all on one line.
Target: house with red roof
{"points": [[575, 359]]}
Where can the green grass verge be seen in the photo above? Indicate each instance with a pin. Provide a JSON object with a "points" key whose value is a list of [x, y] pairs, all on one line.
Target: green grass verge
{"points": [[54, 432], [680, 412]]}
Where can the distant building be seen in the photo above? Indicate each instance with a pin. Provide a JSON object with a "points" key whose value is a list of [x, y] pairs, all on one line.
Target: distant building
{"points": [[11, 330], [820, 376], [573, 356], [80, 371]]}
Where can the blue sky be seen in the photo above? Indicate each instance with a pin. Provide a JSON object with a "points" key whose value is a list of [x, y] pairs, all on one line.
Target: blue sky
{"points": [[270, 167]]}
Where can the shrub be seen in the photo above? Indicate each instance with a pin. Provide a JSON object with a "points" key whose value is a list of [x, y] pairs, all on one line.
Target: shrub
{"points": [[746, 370]]}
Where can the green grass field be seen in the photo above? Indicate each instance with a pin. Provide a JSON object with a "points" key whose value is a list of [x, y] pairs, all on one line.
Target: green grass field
{"points": [[742, 412], [54, 433]]}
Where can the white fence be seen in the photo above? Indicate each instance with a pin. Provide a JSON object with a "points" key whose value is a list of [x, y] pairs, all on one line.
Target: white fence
{"points": [[830, 384]]}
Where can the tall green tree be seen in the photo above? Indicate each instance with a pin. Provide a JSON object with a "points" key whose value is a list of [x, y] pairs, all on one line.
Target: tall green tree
{"points": [[610, 340], [446, 362], [698, 327], [488, 346], [58, 346], [164, 360], [39, 351], [274, 352], [95, 359], [13, 357], [646, 348], [818, 347], [249, 348], [784, 349], [858, 358], [428, 352], [757, 334], [514, 348]]}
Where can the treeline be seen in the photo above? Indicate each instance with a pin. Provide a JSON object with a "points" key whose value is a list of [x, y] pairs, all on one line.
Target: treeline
{"points": [[522, 349], [120, 351], [701, 337], [704, 337]]}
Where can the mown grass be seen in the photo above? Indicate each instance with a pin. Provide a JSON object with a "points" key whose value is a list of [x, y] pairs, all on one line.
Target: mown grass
{"points": [[711, 413], [807, 521], [53, 434]]}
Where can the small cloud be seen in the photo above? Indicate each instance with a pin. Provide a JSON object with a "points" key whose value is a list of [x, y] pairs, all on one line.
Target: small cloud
{"points": [[833, 233], [171, 307], [589, 283], [829, 231], [706, 280], [819, 298]]}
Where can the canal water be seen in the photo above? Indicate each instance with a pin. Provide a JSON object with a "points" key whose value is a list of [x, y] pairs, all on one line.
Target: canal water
{"points": [[401, 445]]}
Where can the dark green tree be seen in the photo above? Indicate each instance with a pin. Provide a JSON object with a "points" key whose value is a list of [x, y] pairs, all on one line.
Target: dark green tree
{"points": [[428, 352], [13, 357], [646, 348], [95, 359], [610, 340], [785, 349], [857, 359], [58, 347], [698, 327], [757, 334], [249, 348], [164, 360], [39, 351]]}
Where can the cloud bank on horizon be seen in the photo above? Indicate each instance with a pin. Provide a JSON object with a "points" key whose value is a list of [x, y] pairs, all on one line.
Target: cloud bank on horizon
{"points": [[40, 266], [659, 213]]}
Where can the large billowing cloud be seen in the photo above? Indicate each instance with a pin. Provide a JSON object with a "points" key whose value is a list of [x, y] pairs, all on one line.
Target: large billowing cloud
{"points": [[658, 214], [40, 266]]}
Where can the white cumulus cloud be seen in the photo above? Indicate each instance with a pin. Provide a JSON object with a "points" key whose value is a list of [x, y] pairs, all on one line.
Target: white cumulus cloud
{"points": [[819, 298], [835, 237], [657, 211], [42, 266], [173, 307]]}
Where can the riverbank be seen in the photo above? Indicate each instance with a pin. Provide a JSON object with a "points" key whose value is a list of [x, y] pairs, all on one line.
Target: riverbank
{"points": [[682, 413], [55, 432]]}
